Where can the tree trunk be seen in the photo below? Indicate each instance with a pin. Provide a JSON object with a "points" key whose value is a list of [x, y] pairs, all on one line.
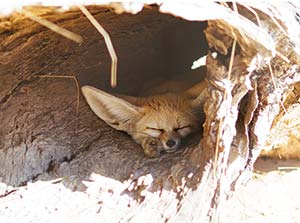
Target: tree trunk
{"points": [[42, 137]]}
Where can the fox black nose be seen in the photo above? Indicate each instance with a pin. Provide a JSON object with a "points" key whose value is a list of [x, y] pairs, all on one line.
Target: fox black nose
{"points": [[170, 143]]}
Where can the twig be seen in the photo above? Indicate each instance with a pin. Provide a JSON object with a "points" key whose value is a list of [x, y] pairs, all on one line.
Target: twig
{"points": [[271, 15], [284, 58], [231, 59], [55, 28], [109, 45], [283, 168], [253, 12], [235, 8], [67, 76], [8, 192]]}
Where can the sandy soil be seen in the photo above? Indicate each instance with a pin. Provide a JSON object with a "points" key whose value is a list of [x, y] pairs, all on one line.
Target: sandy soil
{"points": [[273, 195]]}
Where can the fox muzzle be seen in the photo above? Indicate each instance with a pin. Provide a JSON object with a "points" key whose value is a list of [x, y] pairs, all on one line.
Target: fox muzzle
{"points": [[172, 142]]}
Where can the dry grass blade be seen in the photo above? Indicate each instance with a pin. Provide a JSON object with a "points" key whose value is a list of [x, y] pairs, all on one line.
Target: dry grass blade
{"points": [[225, 96], [55, 28], [284, 58], [288, 168], [280, 55], [108, 43], [231, 59], [254, 13], [265, 7], [70, 77]]}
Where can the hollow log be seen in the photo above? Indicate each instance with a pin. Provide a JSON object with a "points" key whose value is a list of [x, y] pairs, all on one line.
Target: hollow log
{"points": [[43, 138]]}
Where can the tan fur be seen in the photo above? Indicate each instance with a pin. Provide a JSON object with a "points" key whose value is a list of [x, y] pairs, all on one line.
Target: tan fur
{"points": [[154, 120], [157, 122]]}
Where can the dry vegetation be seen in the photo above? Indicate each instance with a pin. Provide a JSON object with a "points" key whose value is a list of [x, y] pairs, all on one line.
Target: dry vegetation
{"points": [[254, 106]]}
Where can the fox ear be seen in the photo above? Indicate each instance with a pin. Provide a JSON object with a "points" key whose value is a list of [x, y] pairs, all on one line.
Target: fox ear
{"points": [[198, 94], [197, 89], [116, 112]]}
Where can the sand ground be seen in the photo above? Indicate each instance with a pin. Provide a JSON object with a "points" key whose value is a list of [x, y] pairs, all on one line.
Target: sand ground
{"points": [[272, 196]]}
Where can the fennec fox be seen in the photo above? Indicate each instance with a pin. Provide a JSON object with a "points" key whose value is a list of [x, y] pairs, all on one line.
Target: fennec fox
{"points": [[156, 122]]}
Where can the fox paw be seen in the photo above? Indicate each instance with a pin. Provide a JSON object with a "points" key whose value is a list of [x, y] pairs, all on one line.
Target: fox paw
{"points": [[152, 147]]}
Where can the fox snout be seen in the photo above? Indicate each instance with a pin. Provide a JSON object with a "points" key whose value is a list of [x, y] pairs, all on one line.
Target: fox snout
{"points": [[171, 141], [154, 146]]}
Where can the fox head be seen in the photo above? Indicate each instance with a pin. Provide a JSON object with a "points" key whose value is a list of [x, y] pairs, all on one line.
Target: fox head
{"points": [[158, 122]]}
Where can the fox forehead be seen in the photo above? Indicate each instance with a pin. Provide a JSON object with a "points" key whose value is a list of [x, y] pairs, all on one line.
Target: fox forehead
{"points": [[167, 111], [169, 101]]}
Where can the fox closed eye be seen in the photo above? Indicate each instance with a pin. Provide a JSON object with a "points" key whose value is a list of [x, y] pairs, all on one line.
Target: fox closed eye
{"points": [[184, 130], [176, 129], [183, 127], [154, 132], [155, 129]]}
